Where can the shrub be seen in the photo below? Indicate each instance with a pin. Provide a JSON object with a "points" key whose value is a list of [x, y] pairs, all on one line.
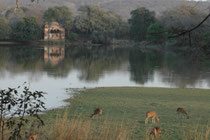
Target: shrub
{"points": [[15, 106]]}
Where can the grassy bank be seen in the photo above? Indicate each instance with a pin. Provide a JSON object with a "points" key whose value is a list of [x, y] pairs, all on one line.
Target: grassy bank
{"points": [[126, 107]]}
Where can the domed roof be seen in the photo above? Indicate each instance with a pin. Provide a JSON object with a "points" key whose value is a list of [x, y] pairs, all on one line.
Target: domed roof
{"points": [[54, 23]]}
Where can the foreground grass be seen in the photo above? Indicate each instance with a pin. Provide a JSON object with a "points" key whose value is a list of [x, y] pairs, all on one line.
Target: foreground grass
{"points": [[126, 107]]}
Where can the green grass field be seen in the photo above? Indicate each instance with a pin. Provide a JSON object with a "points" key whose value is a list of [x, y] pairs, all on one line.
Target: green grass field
{"points": [[127, 106]]}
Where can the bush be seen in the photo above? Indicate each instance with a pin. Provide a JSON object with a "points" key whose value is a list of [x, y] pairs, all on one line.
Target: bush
{"points": [[15, 106]]}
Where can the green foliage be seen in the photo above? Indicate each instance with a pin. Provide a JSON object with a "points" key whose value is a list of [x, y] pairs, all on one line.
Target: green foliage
{"points": [[94, 20], [5, 29], [27, 29], [15, 105], [72, 36], [156, 33], [101, 37], [61, 14], [140, 20]]}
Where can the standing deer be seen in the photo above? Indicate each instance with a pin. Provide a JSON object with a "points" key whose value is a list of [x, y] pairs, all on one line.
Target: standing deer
{"points": [[183, 111], [156, 131], [33, 136], [153, 115], [96, 111]]}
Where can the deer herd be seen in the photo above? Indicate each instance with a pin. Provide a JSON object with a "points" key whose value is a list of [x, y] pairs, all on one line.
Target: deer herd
{"points": [[155, 132]]}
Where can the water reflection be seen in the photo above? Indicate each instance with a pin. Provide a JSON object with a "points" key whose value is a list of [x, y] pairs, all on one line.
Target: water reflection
{"points": [[93, 64], [53, 68], [54, 54]]}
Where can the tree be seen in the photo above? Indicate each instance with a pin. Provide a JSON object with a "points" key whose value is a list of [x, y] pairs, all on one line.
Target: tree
{"points": [[27, 29], [95, 19], [181, 21], [5, 29], [98, 24], [156, 33], [140, 20], [60, 14]]}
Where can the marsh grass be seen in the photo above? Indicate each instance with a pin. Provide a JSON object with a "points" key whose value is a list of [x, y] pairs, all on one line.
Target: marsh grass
{"points": [[85, 129], [197, 133]]}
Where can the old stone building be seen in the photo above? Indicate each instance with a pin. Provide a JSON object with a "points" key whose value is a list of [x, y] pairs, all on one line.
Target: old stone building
{"points": [[54, 31]]}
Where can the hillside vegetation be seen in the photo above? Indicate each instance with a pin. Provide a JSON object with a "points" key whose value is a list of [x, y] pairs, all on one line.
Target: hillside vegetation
{"points": [[121, 7]]}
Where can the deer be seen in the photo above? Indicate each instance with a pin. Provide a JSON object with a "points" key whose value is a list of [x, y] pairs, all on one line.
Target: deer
{"points": [[156, 131], [33, 136], [96, 111], [183, 111], [153, 115]]}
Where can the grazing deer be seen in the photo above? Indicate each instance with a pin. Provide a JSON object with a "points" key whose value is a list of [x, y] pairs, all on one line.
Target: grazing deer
{"points": [[156, 131], [183, 111], [96, 111], [33, 136], [153, 115]]}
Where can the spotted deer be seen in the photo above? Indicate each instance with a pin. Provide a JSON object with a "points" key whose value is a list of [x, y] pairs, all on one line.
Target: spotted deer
{"points": [[33, 136], [153, 115], [156, 131], [96, 111], [182, 111]]}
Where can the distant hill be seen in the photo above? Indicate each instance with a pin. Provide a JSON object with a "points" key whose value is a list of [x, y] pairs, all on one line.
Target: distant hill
{"points": [[121, 7]]}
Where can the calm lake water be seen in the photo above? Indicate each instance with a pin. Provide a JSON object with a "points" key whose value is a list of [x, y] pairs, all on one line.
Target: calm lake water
{"points": [[54, 68]]}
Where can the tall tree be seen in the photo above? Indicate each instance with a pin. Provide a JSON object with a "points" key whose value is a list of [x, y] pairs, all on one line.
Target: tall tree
{"points": [[140, 20], [100, 25], [61, 14], [96, 19], [27, 29]]}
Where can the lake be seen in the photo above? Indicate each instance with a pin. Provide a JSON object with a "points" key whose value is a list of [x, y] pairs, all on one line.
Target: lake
{"points": [[53, 68]]}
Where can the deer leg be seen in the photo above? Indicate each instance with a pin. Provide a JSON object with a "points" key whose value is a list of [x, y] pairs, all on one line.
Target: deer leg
{"points": [[153, 119], [146, 120], [155, 136], [158, 120]]}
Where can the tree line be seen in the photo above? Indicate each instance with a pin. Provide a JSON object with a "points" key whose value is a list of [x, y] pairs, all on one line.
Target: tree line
{"points": [[102, 27]]}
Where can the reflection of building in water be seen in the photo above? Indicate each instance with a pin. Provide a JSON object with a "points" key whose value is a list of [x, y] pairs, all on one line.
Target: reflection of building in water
{"points": [[54, 31], [53, 54]]}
